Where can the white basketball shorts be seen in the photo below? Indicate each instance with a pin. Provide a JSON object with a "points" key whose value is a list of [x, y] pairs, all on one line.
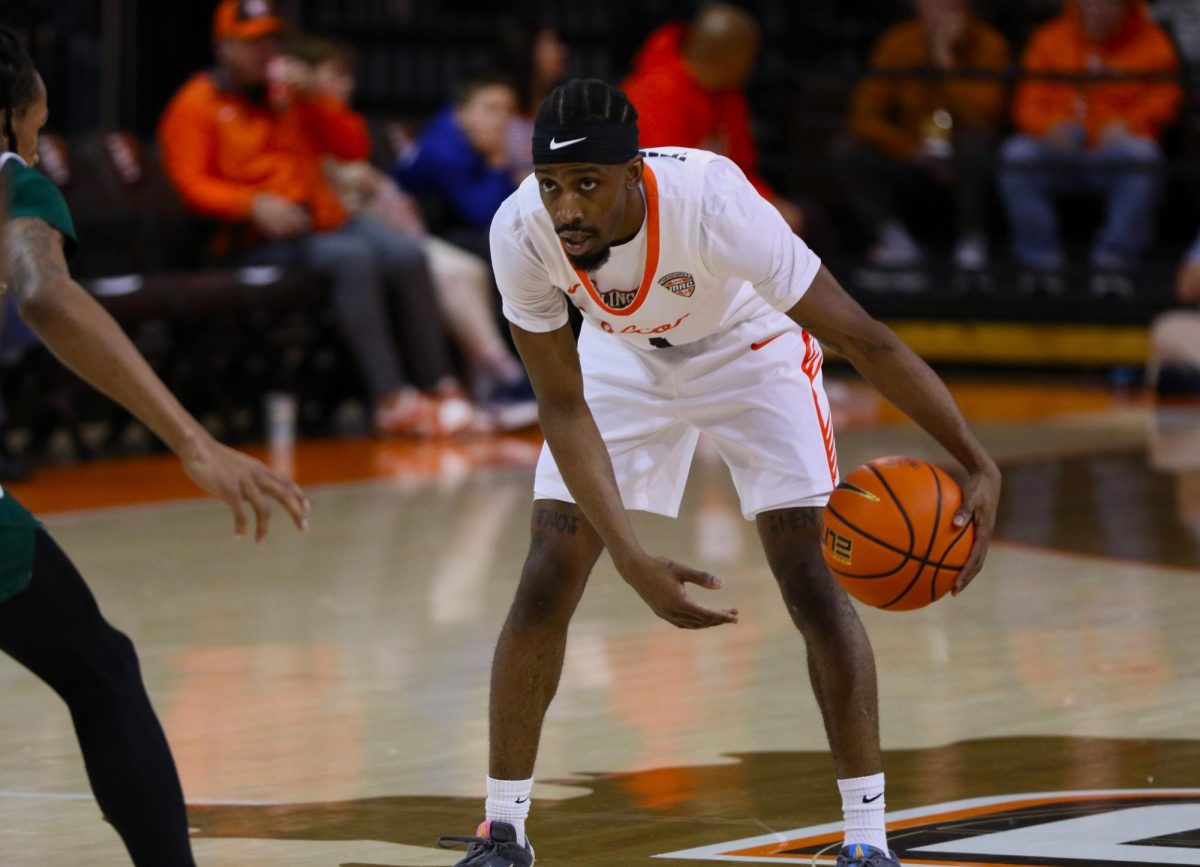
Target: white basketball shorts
{"points": [[755, 389]]}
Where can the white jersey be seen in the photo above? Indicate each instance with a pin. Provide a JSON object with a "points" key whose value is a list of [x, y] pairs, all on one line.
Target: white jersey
{"points": [[711, 253]]}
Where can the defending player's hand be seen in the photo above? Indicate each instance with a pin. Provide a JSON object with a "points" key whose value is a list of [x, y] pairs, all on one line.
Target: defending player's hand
{"points": [[660, 582], [244, 484], [981, 497]]}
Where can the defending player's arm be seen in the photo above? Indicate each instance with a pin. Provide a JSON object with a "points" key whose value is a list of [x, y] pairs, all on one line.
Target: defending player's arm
{"points": [[82, 334], [745, 237]]}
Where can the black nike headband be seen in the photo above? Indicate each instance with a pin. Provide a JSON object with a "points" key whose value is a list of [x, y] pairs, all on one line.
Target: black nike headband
{"points": [[605, 144]]}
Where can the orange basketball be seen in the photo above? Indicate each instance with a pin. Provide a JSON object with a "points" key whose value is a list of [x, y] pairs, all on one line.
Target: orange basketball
{"points": [[889, 536]]}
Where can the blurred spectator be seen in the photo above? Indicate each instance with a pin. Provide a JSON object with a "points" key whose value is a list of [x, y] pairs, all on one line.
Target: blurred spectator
{"points": [[462, 279], [687, 83], [1175, 336], [461, 160], [536, 58], [1101, 137], [1181, 18], [933, 128], [244, 147]]}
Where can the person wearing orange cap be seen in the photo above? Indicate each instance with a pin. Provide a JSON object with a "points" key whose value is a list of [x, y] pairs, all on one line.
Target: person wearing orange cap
{"points": [[244, 145], [1095, 136]]}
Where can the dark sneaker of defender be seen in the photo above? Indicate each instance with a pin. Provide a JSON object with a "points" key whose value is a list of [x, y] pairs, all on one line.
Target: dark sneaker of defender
{"points": [[494, 846]]}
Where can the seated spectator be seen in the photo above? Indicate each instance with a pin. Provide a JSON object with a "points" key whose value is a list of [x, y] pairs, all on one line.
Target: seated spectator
{"points": [[461, 159], [1175, 336], [245, 149], [687, 83], [536, 58], [1099, 137], [906, 133], [463, 280]]}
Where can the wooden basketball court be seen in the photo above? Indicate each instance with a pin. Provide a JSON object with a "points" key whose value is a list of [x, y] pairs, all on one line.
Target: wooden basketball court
{"points": [[326, 695]]}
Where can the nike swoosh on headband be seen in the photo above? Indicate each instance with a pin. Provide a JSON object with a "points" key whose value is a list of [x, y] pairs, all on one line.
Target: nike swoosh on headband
{"points": [[555, 145]]}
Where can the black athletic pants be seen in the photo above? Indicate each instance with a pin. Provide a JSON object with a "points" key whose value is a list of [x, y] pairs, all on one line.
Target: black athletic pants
{"points": [[55, 629]]}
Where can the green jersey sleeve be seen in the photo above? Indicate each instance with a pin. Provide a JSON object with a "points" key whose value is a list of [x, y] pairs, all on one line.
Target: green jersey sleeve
{"points": [[32, 194]]}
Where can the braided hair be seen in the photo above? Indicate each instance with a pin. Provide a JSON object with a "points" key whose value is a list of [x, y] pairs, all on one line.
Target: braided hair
{"points": [[586, 101], [18, 82]]}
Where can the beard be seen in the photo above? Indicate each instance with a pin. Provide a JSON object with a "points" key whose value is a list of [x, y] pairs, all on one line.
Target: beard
{"points": [[591, 261]]}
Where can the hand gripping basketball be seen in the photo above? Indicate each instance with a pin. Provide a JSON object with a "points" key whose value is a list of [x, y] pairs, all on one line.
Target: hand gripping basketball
{"points": [[981, 498], [899, 533], [660, 582]]}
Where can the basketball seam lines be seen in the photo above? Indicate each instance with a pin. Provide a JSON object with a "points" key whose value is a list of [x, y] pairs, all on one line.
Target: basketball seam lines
{"points": [[942, 563], [937, 517], [912, 535], [877, 541], [933, 538], [933, 535], [946, 553]]}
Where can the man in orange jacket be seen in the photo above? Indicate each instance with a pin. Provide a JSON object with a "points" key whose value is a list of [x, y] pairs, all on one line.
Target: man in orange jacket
{"points": [[245, 148], [1100, 136], [686, 85], [908, 134]]}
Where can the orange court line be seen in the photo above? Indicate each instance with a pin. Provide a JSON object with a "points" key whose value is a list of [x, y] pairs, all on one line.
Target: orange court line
{"points": [[778, 849], [161, 478]]}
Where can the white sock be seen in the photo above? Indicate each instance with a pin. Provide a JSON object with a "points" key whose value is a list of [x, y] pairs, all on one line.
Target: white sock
{"points": [[508, 801], [863, 806]]}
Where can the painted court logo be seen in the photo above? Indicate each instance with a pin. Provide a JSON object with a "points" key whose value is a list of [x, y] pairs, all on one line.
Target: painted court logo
{"points": [[679, 282], [1118, 828]]}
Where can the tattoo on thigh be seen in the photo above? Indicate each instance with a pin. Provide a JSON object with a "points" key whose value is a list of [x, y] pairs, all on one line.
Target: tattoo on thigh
{"points": [[558, 521], [793, 519]]}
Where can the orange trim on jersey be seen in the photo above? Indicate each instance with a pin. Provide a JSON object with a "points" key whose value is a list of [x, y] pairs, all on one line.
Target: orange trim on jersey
{"points": [[813, 360], [651, 185]]}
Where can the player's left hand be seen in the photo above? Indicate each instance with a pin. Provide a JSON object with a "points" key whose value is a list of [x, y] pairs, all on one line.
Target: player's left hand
{"points": [[242, 482], [981, 498]]}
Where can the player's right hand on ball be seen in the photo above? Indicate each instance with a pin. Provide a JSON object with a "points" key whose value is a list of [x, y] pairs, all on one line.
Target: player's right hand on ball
{"points": [[660, 582]]}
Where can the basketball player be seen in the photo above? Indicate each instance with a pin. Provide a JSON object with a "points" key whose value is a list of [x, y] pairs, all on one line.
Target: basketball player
{"points": [[49, 621], [702, 312]]}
